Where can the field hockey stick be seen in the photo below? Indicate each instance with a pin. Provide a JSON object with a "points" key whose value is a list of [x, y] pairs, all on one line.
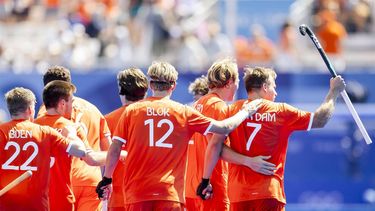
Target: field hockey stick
{"points": [[15, 182], [303, 29]]}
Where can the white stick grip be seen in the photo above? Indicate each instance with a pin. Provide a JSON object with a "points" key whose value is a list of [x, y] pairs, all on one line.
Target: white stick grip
{"points": [[15, 182], [357, 120]]}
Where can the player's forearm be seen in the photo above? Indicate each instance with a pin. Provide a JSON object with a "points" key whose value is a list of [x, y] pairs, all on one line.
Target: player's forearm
{"points": [[212, 155], [96, 158], [325, 110], [77, 148], [229, 124], [231, 156], [112, 158]]}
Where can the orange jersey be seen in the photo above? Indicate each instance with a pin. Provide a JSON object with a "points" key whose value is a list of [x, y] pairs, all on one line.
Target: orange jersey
{"points": [[265, 133], [60, 179], [156, 132], [117, 196], [27, 146], [211, 106], [96, 129]]}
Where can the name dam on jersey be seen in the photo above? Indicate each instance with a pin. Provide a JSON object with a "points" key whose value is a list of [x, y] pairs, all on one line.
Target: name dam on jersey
{"points": [[157, 112], [13, 133], [264, 117]]}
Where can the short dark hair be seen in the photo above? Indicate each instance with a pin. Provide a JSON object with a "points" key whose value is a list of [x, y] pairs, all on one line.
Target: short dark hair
{"points": [[57, 73], [132, 83], [54, 91], [254, 78]]}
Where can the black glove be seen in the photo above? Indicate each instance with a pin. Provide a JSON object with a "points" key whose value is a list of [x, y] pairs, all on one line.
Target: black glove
{"points": [[203, 185], [105, 181]]}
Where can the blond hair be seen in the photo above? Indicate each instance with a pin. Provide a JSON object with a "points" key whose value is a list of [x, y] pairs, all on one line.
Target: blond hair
{"points": [[199, 86], [221, 72], [254, 78], [162, 75], [19, 100]]}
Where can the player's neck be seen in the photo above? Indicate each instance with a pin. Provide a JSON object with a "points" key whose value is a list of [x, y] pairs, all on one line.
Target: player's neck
{"points": [[253, 96], [220, 92], [162, 94], [53, 111], [21, 117]]}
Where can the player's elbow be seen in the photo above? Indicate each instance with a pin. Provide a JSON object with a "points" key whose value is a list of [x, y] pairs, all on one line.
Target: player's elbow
{"points": [[77, 149]]}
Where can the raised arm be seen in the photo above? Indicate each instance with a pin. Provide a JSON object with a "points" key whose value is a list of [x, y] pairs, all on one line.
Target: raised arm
{"points": [[227, 125], [324, 112]]}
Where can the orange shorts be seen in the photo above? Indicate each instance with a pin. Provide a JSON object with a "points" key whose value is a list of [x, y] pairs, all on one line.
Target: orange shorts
{"points": [[117, 197], [259, 204], [86, 199], [155, 205], [194, 204]]}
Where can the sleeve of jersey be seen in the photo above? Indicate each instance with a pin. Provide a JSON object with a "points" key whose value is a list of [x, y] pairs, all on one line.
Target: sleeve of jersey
{"points": [[82, 135], [297, 119], [104, 129], [218, 111], [197, 122], [120, 131], [58, 142]]}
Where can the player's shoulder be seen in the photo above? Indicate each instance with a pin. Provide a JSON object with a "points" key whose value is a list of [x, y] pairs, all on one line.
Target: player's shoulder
{"points": [[85, 106], [115, 113], [211, 99]]}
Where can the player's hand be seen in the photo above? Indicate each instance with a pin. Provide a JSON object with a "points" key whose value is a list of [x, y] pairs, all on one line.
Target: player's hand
{"points": [[260, 165], [69, 131], [252, 107], [123, 155], [337, 84], [103, 189], [204, 189]]}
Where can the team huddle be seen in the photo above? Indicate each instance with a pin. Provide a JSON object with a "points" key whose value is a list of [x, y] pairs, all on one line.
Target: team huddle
{"points": [[153, 153]]}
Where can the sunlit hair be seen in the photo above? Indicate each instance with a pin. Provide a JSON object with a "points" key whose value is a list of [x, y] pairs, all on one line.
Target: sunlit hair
{"points": [[132, 83], [19, 100], [162, 75], [54, 91], [57, 73], [222, 72], [199, 86], [254, 78]]}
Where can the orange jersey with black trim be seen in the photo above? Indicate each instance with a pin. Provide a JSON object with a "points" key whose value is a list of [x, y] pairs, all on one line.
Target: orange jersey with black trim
{"points": [[60, 185], [117, 196], [27, 146], [211, 106], [265, 133], [156, 132]]}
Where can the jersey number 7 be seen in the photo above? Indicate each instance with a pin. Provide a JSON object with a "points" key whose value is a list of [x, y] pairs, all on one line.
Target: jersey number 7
{"points": [[257, 128]]}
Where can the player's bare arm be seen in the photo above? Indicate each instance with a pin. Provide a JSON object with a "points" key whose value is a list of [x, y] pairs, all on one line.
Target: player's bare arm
{"points": [[112, 158], [326, 109], [94, 158], [229, 124], [257, 164]]}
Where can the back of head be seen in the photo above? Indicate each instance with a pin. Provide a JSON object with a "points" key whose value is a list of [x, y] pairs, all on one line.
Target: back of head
{"points": [[18, 100], [254, 78], [56, 90], [56, 73], [221, 73], [132, 83], [162, 75], [199, 86]]}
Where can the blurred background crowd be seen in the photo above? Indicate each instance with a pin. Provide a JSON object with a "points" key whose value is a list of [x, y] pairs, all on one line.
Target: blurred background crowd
{"points": [[94, 34]]}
